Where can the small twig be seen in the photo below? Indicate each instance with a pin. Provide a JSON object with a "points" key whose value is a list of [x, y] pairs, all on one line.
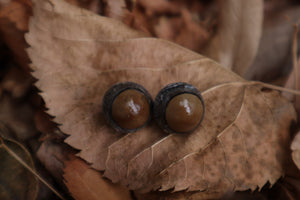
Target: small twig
{"points": [[15, 156]]}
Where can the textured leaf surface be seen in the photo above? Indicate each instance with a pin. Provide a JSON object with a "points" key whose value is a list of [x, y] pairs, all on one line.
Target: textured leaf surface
{"points": [[77, 56]]}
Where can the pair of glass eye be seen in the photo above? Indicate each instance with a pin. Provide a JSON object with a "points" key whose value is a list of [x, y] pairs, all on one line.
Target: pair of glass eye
{"points": [[178, 107]]}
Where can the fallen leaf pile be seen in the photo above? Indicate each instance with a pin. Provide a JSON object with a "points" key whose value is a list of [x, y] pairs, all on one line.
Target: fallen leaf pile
{"points": [[244, 130], [175, 21], [59, 57]]}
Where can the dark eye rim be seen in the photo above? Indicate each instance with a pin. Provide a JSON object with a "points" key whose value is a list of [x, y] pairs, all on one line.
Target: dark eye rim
{"points": [[110, 96], [161, 102]]}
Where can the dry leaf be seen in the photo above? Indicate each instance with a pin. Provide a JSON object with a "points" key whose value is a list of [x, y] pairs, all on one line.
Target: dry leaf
{"points": [[16, 181], [181, 29], [52, 155], [237, 38], [187, 23], [276, 39], [85, 183], [77, 56], [295, 146], [82, 181]]}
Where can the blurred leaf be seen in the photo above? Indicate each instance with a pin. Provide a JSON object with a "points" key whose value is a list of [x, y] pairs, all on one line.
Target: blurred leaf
{"points": [[274, 56], [236, 41]]}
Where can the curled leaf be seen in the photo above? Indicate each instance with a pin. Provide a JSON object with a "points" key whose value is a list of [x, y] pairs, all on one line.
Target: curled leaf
{"points": [[236, 41], [77, 56]]}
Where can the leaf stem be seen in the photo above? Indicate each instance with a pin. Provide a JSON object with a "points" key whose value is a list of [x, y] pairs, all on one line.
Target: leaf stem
{"points": [[275, 87]]}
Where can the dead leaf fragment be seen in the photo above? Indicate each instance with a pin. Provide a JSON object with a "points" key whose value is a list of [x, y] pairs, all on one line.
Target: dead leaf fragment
{"points": [[187, 23], [85, 183], [52, 155], [295, 146], [240, 144], [179, 29]]}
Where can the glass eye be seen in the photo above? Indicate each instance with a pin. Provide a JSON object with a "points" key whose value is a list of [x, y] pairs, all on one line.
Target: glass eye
{"points": [[178, 108], [127, 107]]}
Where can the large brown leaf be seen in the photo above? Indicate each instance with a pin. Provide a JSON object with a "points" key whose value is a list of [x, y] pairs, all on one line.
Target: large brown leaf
{"points": [[78, 55]]}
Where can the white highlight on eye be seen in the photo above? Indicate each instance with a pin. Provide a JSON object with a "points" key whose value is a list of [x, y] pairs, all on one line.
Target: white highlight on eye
{"points": [[185, 104], [134, 107]]}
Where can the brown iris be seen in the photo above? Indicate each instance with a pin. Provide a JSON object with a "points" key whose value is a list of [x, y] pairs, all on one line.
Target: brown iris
{"points": [[184, 112], [130, 109], [127, 107]]}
